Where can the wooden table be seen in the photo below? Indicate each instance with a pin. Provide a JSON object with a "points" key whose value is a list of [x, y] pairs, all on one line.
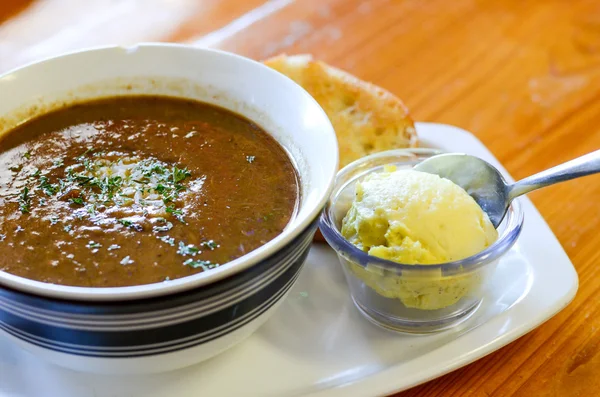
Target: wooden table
{"points": [[524, 76]]}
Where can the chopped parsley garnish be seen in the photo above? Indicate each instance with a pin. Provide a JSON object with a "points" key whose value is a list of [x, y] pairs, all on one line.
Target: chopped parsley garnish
{"points": [[176, 212], [67, 228], [180, 174], [83, 180], [130, 224], [110, 185], [48, 187], [210, 244], [92, 183], [250, 159], [187, 249], [82, 155], [160, 189], [25, 201], [205, 265], [76, 200], [172, 210], [146, 177], [87, 164], [168, 195], [62, 185], [153, 168]]}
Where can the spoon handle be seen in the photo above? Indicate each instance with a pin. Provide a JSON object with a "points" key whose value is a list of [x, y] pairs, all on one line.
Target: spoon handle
{"points": [[581, 166]]}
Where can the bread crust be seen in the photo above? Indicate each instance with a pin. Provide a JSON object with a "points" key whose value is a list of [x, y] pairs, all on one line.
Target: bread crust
{"points": [[365, 117]]}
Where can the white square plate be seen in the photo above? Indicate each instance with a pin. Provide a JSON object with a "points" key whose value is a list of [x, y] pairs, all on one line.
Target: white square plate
{"points": [[318, 344]]}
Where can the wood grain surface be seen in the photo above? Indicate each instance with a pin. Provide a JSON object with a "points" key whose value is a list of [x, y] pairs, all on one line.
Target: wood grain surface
{"points": [[524, 76]]}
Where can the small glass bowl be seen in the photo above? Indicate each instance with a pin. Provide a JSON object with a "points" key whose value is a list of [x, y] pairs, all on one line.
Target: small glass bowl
{"points": [[416, 299]]}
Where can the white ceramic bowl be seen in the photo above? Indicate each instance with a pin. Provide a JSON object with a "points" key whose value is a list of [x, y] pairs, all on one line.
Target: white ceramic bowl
{"points": [[164, 326]]}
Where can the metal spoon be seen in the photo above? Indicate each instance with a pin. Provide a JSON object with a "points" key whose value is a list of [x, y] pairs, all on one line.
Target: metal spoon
{"points": [[490, 190]]}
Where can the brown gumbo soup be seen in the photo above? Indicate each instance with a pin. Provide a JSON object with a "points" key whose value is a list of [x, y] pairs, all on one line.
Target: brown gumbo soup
{"points": [[137, 190]]}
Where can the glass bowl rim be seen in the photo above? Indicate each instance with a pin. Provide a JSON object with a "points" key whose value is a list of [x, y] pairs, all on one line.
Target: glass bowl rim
{"points": [[513, 226]]}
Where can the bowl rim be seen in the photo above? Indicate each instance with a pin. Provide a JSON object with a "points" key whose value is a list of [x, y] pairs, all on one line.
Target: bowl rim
{"points": [[513, 226], [75, 293]]}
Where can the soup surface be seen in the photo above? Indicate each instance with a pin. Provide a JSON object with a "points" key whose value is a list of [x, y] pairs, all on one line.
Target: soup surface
{"points": [[136, 190]]}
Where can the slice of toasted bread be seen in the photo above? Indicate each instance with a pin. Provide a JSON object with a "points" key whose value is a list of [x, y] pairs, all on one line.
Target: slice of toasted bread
{"points": [[366, 118]]}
